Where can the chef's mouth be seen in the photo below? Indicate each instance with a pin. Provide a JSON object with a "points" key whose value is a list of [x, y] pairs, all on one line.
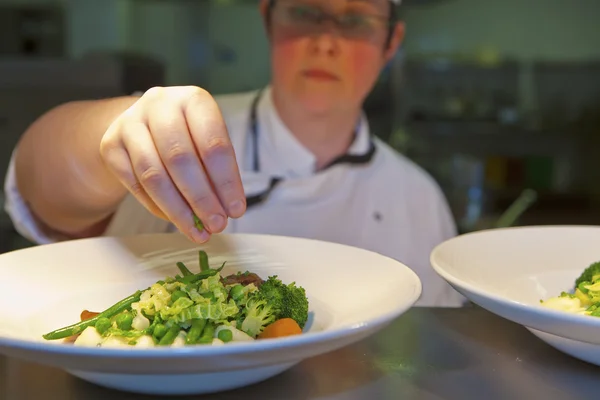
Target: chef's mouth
{"points": [[320, 74]]}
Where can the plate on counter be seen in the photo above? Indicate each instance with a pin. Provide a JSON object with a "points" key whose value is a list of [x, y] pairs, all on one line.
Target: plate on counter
{"points": [[46, 288], [528, 275]]}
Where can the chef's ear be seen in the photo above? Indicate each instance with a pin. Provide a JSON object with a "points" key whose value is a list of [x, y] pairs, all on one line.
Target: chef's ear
{"points": [[395, 40]]}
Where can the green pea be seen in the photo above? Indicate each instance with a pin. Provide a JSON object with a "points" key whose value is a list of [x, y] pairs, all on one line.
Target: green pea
{"points": [[225, 335], [124, 321], [237, 292], [102, 325]]}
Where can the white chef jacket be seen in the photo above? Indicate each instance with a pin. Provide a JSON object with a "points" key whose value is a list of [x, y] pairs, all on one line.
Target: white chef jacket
{"points": [[389, 205]]}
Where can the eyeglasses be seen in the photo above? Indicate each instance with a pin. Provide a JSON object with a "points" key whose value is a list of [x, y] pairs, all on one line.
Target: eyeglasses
{"points": [[304, 18]]}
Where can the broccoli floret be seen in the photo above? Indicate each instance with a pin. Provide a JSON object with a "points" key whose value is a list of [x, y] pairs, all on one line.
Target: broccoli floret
{"points": [[583, 296], [590, 274], [258, 315], [588, 292], [287, 301]]}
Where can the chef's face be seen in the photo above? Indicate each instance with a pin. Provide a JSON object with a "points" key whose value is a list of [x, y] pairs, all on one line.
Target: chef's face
{"points": [[327, 54]]}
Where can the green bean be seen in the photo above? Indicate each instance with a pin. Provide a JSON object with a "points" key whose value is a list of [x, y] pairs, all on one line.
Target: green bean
{"points": [[198, 277], [124, 321], [204, 266], [78, 327], [159, 331], [184, 270], [188, 277], [155, 321], [170, 336], [207, 334], [225, 335], [195, 331]]}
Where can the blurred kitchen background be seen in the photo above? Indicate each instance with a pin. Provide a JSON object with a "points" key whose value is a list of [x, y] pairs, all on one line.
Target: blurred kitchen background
{"points": [[491, 97]]}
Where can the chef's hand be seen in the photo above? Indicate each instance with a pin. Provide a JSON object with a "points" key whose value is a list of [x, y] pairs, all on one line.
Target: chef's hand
{"points": [[172, 151]]}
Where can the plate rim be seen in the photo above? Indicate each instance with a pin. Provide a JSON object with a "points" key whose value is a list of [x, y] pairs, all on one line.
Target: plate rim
{"points": [[546, 313], [241, 348]]}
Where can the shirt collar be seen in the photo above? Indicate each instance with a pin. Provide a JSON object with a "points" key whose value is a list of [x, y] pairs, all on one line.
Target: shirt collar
{"points": [[292, 157]]}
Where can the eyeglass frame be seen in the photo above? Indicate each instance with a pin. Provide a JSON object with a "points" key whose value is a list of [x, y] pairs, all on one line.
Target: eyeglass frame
{"points": [[391, 20]]}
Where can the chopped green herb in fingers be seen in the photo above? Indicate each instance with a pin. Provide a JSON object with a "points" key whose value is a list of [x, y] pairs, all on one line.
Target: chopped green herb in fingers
{"points": [[198, 223]]}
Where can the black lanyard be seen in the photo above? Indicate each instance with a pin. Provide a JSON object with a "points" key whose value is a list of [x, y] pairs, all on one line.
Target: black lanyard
{"points": [[261, 197]]}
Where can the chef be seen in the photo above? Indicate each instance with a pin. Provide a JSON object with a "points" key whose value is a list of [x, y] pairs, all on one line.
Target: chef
{"points": [[294, 158]]}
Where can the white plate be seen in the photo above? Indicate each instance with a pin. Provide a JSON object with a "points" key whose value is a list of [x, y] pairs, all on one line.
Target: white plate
{"points": [[507, 271], [353, 293]]}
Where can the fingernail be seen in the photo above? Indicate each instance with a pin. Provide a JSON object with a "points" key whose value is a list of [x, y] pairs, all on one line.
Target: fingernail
{"points": [[216, 223], [236, 208], [199, 236]]}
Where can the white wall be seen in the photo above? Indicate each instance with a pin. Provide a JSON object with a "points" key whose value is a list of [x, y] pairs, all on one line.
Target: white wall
{"points": [[97, 25], [238, 57], [167, 31]]}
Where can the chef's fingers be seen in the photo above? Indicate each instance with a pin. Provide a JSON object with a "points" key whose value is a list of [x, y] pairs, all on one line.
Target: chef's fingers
{"points": [[156, 182], [117, 160], [210, 135], [169, 131]]}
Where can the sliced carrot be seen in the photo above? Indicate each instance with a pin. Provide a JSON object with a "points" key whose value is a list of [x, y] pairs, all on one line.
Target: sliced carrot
{"points": [[281, 327], [85, 315]]}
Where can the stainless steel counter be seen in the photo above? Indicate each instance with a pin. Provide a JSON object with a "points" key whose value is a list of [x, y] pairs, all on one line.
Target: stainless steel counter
{"points": [[426, 354]]}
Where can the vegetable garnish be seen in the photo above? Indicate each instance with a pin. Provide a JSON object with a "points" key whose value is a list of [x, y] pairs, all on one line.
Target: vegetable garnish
{"points": [[584, 298], [195, 309]]}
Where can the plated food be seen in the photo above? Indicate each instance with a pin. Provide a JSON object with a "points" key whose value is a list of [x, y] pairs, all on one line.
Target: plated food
{"points": [[203, 308], [584, 299]]}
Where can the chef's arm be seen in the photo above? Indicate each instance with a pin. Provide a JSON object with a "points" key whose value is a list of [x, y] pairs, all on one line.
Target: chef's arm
{"points": [[59, 171]]}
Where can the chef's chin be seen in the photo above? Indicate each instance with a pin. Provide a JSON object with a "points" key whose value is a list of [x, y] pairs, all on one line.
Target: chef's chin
{"points": [[323, 99]]}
